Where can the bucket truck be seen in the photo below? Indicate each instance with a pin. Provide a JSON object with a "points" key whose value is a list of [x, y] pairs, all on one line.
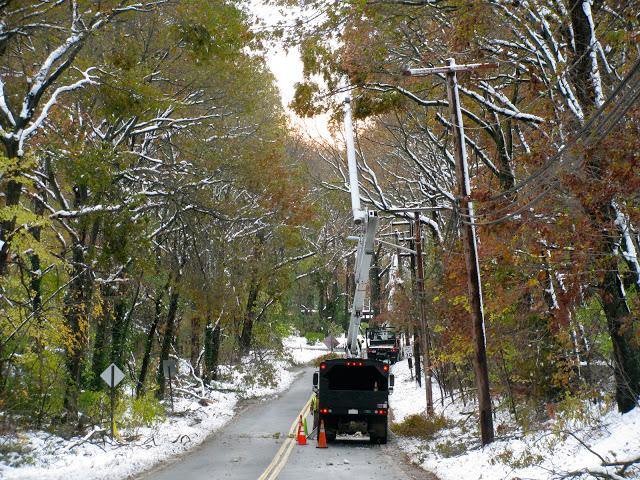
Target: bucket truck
{"points": [[353, 392]]}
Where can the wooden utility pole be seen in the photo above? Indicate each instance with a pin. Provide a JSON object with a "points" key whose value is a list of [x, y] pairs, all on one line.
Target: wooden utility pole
{"points": [[469, 239], [417, 330], [423, 318], [409, 328]]}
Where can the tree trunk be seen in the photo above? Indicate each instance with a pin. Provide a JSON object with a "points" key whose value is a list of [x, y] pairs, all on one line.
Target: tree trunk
{"points": [[36, 266], [168, 339], [146, 358], [212, 349], [119, 330], [626, 354], [254, 289], [12, 193], [100, 359], [585, 61], [626, 351], [121, 325], [76, 313], [195, 343], [249, 318], [417, 331], [322, 298]]}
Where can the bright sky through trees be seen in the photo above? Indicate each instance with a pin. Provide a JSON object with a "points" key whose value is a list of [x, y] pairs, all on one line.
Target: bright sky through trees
{"points": [[287, 68]]}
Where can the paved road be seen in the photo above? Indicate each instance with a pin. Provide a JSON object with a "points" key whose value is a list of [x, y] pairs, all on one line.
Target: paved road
{"points": [[346, 460], [247, 445]]}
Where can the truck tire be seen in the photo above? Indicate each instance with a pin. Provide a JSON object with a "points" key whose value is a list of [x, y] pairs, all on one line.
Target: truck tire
{"points": [[376, 440], [378, 434]]}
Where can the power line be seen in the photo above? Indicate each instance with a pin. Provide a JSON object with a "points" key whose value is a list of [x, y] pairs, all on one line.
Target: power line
{"points": [[599, 125]]}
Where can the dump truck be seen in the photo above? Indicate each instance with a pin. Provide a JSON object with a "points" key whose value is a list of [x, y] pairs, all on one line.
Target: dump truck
{"points": [[383, 344], [353, 397]]}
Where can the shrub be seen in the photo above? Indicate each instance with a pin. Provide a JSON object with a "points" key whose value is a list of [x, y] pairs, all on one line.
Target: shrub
{"points": [[130, 412], [262, 374], [448, 449], [15, 452], [146, 411], [328, 356], [313, 337], [420, 426], [523, 460], [95, 405]]}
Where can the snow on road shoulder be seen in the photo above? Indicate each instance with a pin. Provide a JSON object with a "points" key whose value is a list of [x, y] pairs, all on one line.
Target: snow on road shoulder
{"points": [[51, 457], [454, 453], [56, 458]]}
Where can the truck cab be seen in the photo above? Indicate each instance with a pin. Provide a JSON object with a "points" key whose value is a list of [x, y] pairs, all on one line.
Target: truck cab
{"points": [[383, 344], [353, 396]]}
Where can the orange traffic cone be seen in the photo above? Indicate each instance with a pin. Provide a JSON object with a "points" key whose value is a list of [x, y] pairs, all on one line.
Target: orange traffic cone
{"points": [[302, 438], [322, 436]]}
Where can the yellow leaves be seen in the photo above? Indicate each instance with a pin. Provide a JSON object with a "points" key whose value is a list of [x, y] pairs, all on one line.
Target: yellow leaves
{"points": [[21, 216], [533, 282], [461, 300], [97, 309], [14, 168]]}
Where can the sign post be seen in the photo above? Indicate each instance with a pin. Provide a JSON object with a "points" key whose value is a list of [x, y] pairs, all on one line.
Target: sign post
{"points": [[112, 377], [169, 370]]}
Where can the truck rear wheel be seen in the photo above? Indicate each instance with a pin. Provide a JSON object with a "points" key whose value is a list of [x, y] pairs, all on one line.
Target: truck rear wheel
{"points": [[376, 440], [378, 433]]}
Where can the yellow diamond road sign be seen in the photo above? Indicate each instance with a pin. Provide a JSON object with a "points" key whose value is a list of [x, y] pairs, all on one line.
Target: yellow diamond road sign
{"points": [[112, 375]]}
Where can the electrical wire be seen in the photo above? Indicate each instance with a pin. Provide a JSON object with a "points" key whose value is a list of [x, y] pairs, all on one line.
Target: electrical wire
{"points": [[599, 125]]}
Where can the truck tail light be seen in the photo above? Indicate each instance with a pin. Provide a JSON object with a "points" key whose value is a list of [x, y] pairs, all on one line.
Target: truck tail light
{"points": [[381, 412], [385, 367], [323, 366], [325, 410]]}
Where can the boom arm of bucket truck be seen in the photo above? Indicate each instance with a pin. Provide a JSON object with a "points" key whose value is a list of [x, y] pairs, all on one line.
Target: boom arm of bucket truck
{"points": [[368, 223]]}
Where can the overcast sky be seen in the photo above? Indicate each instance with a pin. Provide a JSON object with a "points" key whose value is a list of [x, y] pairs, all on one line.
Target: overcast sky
{"points": [[287, 68]]}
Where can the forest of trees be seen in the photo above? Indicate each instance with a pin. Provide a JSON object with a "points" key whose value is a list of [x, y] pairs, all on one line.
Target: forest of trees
{"points": [[155, 201], [152, 204], [552, 132]]}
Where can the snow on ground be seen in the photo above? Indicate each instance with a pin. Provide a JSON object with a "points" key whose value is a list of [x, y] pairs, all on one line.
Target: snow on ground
{"points": [[301, 352], [52, 457], [455, 453]]}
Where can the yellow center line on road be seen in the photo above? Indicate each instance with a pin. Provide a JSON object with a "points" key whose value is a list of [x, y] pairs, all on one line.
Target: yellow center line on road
{"points": [[281, 457]]}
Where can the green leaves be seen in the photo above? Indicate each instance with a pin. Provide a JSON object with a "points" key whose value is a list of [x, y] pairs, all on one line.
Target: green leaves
{"points": [[214, 30], [304, 99]]}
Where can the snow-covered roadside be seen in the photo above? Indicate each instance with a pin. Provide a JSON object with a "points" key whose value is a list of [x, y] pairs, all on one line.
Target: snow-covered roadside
{"points": [[301, 352], [454, 453], [52, 457]]}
